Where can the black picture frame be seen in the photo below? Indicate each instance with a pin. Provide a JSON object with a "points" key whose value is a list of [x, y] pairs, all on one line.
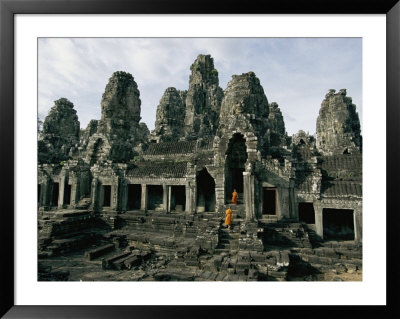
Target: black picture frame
{"points": [[7, 11]]}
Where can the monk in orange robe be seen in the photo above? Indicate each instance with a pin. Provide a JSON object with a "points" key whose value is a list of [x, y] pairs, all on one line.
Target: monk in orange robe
{"points": [[235, 197], [228, 217]]}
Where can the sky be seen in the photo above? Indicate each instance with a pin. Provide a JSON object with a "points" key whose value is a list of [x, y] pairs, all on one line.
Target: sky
{"points": [[294, 72]]}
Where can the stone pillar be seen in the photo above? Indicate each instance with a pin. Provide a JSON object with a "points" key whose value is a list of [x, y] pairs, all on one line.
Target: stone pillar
{"points": [[75, 192], [61, 191], [190, 196], [114, 193], [95, 194], [248, 195], [46, 191], [319, 224], [187, 193], [169, 199], [123, 202], [357, 215], [143, 205], [220, 191], [165, 197], [293, 208]]}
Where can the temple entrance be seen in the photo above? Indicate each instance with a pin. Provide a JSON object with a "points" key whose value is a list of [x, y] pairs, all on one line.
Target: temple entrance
{"points": [[85, 185], [269, 201], [134, 196], [178, 198], [205, 192], [338, 224], [106, 195], [155, 197], [67, 195], [234, 167], [54, 197], [306, 213], [39, 189]]}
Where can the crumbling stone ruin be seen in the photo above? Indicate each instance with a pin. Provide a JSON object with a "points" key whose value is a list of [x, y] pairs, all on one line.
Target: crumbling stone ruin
{"points": [[152, 205]]}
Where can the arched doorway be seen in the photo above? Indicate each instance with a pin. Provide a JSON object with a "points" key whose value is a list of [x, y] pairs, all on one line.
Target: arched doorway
{"points": [[235, 165], [205, 192]]}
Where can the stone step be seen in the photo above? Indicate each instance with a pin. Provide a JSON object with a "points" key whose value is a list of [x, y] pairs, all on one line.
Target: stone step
{"points": [[109, 263], [100, 251]]}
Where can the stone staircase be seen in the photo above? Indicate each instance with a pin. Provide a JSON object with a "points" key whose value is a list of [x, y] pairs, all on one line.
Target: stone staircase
{"points": [[228, 239]]}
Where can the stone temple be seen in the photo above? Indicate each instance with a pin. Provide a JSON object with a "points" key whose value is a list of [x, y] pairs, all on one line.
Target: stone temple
{"points": [[152, 204]]}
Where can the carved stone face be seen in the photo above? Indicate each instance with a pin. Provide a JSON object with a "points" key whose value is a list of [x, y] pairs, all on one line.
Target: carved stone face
{"points": [[238, 108]]}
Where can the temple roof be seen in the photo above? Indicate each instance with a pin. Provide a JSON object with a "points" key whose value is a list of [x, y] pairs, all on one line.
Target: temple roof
{"points": [[176, 148], [159, 169], [341, 189], [343, 167], [171, 148]]}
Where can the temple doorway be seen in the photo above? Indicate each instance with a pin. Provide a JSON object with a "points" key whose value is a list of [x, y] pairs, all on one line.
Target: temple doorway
{"points": [[106, 196], [178, 198], [235, 165], [155, 197], [39, 189], [205, 192], [134, 196], [306, 213], [338, 224], [269, 201], [54, 197], [67, 195]]}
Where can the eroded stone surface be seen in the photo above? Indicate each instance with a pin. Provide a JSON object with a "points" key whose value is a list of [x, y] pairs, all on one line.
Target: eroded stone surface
{"points": [[203, 99], [170, 116], [60, 133], [338, 125]]}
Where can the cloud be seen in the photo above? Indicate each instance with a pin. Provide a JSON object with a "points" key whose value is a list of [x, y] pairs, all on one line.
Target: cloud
{"points": [[295, 72]]}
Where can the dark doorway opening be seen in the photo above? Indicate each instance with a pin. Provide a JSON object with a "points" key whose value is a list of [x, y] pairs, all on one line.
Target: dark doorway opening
{"points": [[306, 213], [106, 195], [67, 195], [85, 185], [54, 198], [269, 201], [235, 164], [338, 224], [205, 192], [134, 196], [155, 197], [39, 190], [178, 198]]}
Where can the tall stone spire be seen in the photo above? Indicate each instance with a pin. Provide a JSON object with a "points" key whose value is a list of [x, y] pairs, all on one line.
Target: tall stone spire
{"points": [[338, 125], [246, 105], [170, 117], [60, 133], [276, 126], [203, 99], [118, 130], [120, 106]]}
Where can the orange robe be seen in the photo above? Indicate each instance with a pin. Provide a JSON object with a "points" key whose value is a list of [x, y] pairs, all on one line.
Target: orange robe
{"points": [[228, 217], [235, 197]]}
